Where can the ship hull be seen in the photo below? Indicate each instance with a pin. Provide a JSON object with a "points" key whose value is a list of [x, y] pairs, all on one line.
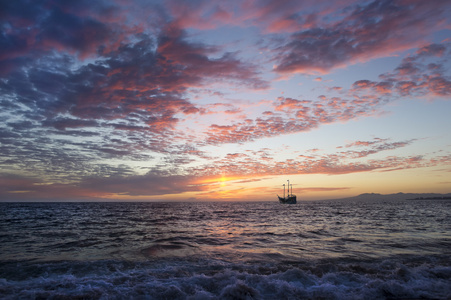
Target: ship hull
{"points": [[287, 200]]}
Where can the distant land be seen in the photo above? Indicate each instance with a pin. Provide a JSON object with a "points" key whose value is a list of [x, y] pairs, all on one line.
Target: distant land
{"points": [[399, 196]]}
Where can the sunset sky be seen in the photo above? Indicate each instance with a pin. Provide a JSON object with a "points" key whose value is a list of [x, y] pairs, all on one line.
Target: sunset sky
{"points": [[223, 100]]}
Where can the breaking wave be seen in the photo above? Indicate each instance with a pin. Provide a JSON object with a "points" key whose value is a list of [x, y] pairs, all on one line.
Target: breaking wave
{"points": [[392, 278]]}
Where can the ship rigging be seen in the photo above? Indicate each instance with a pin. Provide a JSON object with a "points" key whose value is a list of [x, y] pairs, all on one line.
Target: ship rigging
{"points": [[290, 198]]}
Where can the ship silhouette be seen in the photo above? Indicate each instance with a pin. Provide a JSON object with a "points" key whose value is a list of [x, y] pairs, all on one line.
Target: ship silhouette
{"points": [[290, 198]]}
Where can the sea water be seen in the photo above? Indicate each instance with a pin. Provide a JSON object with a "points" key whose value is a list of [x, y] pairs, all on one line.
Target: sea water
{"points": [[240, 250]]}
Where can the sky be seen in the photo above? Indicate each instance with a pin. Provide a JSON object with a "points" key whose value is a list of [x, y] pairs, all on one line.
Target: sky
{"points": [[223, 100]]}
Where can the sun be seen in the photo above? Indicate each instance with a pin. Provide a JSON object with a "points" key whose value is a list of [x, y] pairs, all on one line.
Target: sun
{"points": [[223, 180]]}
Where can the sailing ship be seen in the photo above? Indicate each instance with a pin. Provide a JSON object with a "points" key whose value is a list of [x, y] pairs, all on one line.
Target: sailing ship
{"points": [[290, 198]]}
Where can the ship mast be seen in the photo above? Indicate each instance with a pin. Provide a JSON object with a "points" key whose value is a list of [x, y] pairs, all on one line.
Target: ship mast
{"points": [[288, 188]]}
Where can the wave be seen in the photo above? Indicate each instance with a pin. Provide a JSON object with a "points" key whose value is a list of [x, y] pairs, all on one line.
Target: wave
{"points": [[391, 278]]}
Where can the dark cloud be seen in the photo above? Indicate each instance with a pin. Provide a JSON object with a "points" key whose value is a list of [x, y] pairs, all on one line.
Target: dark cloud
{"points": [[63, 30], [145, 185], [33, 29], [62, 124], [16, 187]]}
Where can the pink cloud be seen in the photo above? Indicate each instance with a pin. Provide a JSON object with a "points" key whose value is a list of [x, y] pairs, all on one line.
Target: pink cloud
{"points": [[413, 76], [284, 25], [431, 50], [202, 15], [290, 104], [288, 16], [293, 115], [439, 86], [369, 31], [365, 143]]}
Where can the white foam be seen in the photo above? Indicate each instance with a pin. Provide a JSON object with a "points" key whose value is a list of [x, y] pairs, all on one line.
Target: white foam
{"points": [[207, 279]]}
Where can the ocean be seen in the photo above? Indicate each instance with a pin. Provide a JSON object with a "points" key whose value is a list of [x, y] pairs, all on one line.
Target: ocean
{"points": [[226, 250]]}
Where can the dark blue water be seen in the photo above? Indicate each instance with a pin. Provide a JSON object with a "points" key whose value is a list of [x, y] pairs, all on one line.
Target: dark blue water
{"points": [[260, 250]]}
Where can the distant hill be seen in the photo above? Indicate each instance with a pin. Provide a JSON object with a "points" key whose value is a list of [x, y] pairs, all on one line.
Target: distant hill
{"points": [[398, 196]]}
